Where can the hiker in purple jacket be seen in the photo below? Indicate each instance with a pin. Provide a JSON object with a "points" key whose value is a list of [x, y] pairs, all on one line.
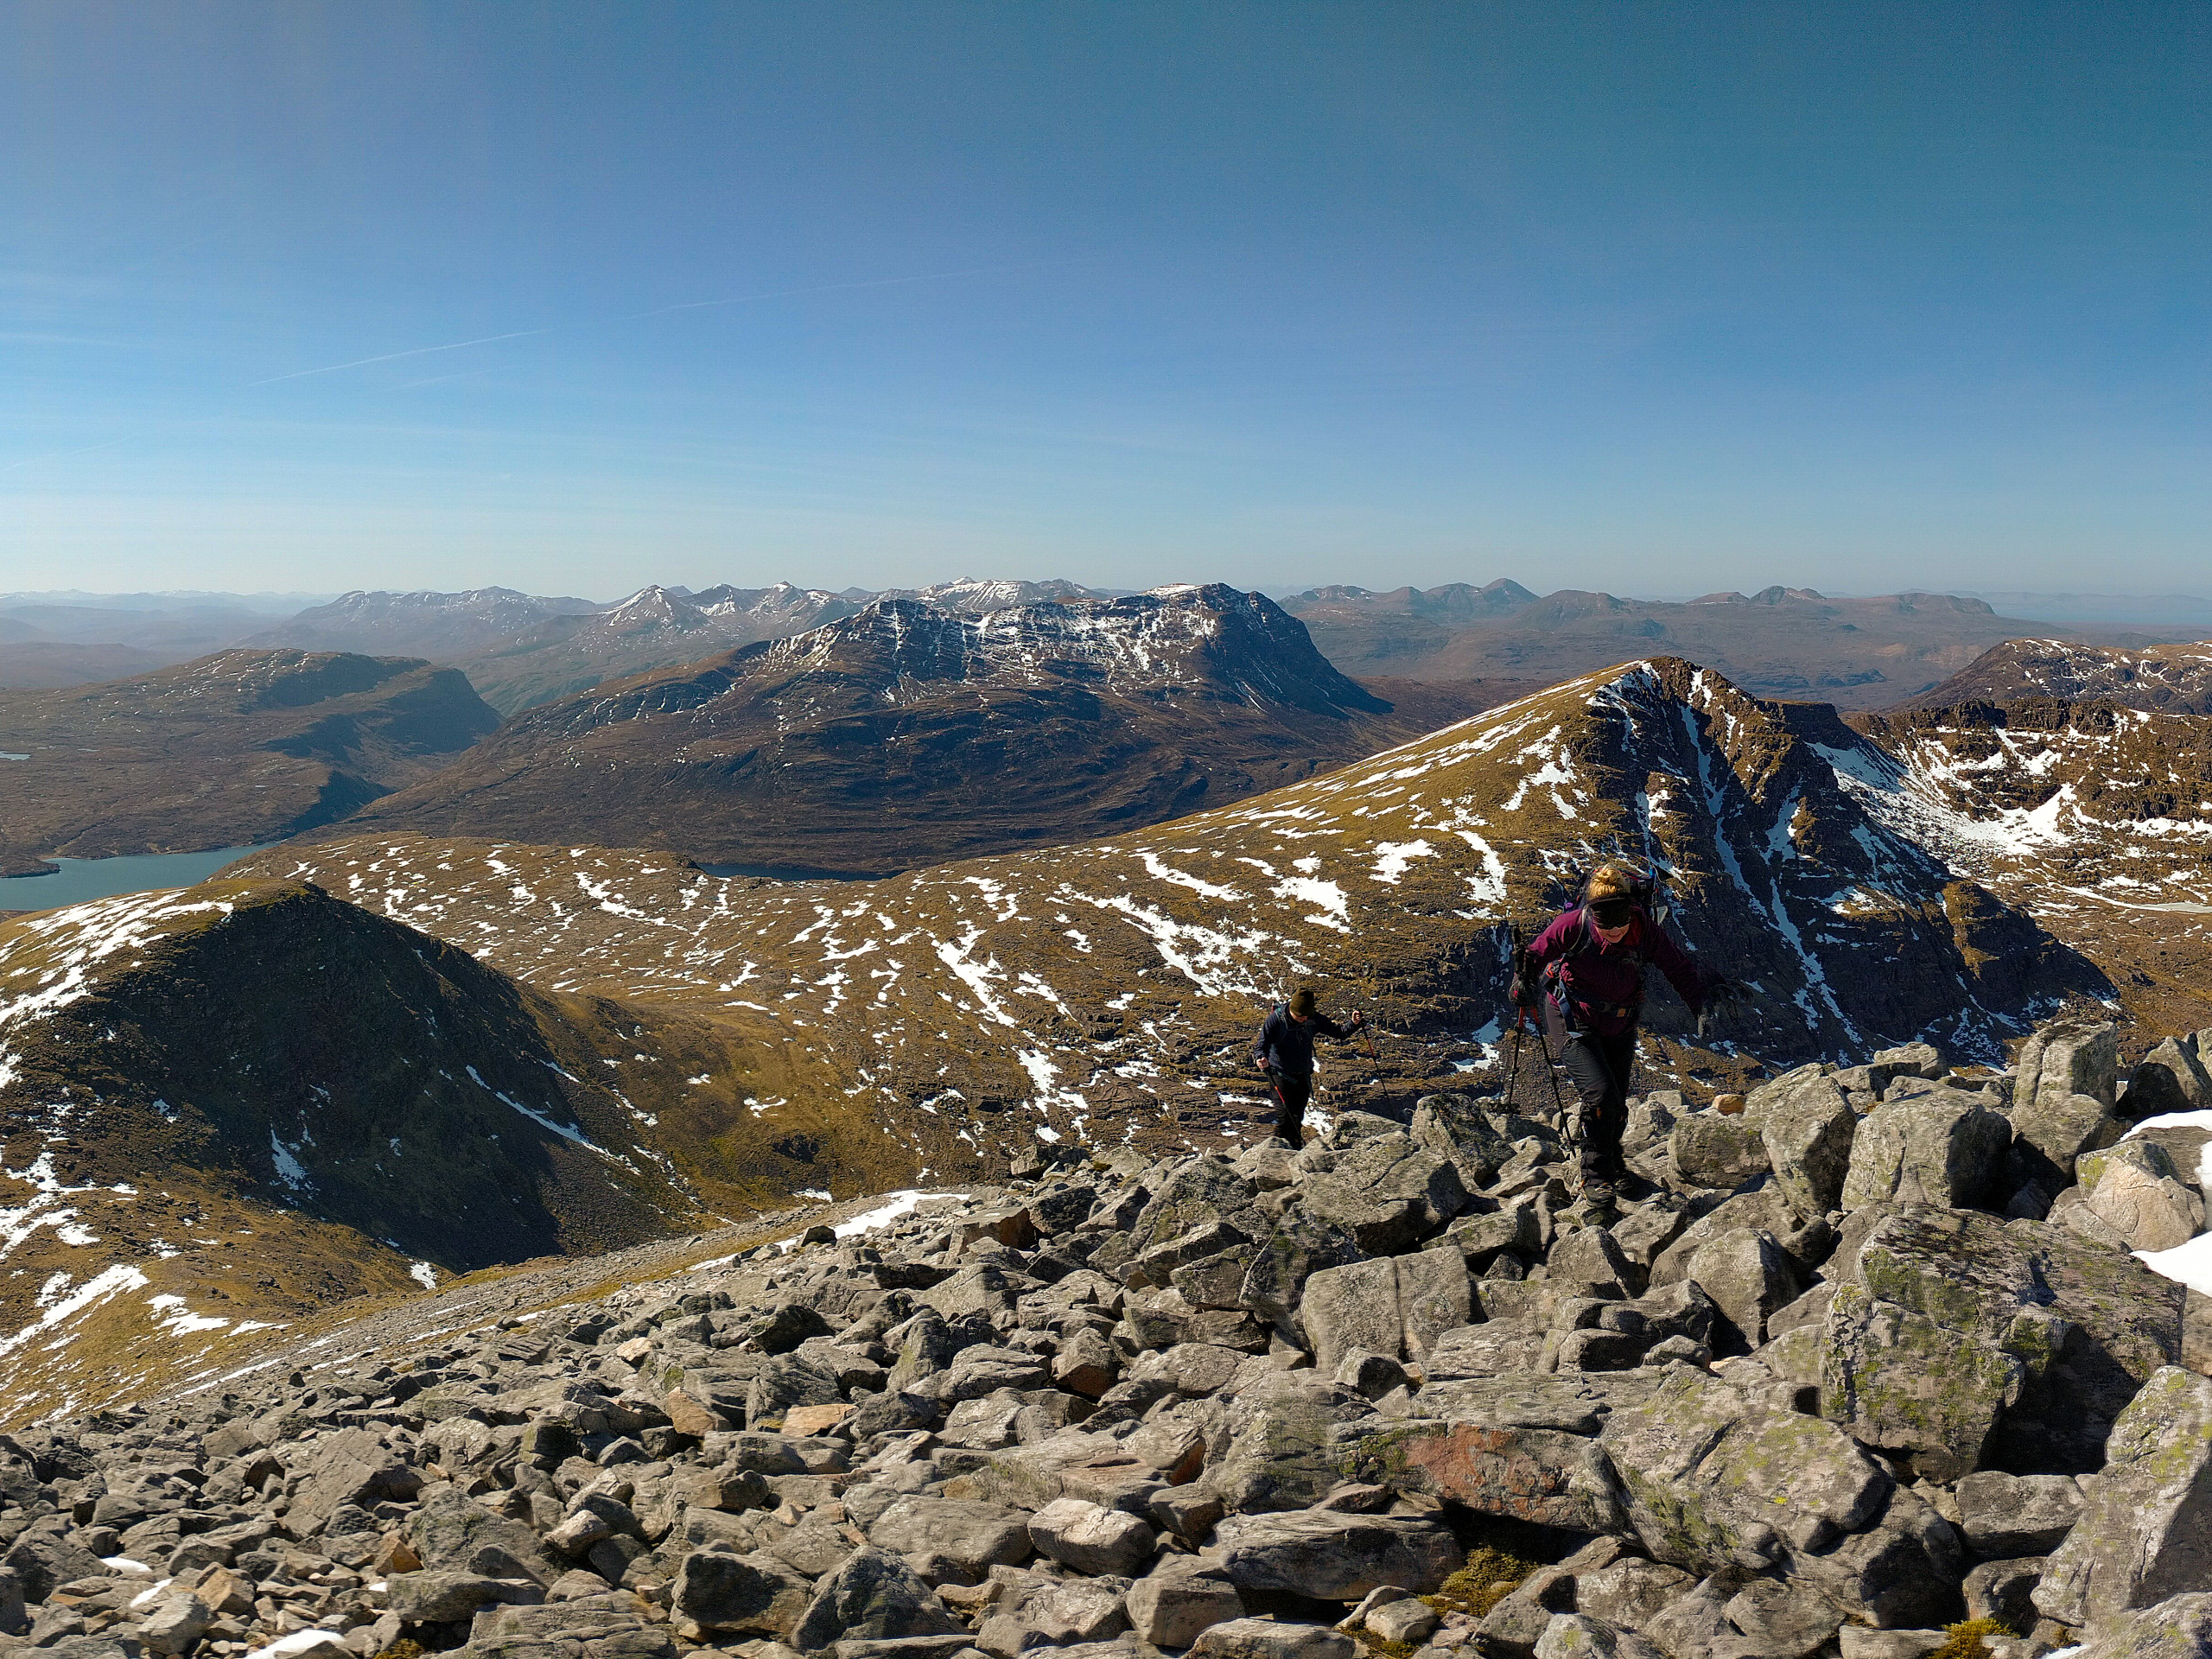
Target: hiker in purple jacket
{"points": [[1586, 971]]}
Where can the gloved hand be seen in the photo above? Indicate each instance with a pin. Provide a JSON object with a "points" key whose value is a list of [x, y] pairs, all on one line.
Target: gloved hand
{"points": [[1723, 998], [1358, 1018]]}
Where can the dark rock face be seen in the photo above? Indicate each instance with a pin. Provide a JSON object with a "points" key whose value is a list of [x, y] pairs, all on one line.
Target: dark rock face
{"points": [[295, 1048]]}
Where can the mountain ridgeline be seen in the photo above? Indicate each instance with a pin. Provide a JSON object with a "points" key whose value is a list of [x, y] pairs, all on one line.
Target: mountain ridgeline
{"points": [[909, 733]]}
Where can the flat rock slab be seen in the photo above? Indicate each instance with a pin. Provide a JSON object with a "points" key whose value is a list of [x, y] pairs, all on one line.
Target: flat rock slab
{"points": [[1331, 1556]]}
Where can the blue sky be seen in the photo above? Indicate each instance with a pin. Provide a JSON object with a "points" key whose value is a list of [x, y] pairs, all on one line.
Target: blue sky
{"points": [[1660, 299]]}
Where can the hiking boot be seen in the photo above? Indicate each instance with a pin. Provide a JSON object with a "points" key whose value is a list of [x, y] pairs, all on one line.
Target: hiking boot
{"points": [[1595, 1184]]}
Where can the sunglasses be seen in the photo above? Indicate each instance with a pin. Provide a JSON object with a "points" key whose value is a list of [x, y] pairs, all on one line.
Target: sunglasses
{"points": [[1611, 912]]}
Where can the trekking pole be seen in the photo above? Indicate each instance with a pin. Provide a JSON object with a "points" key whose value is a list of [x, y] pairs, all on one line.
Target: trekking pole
{"points": [[1513, 1070], [1558, 1099]]}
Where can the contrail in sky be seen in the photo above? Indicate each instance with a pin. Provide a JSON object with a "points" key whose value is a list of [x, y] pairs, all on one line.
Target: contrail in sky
{"points": [[829, 288], [420, 351], [662, 311]]}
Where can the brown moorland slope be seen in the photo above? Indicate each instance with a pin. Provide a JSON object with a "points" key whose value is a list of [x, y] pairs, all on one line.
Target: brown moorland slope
{"points": [[244, 746]]}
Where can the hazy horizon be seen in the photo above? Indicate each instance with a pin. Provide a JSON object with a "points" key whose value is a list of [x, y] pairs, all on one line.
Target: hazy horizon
{"points": [[1613, 297]]}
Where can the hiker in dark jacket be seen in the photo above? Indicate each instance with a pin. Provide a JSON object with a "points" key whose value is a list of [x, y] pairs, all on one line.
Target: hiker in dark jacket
{"points": [[1586, 971], [1284, 1050]]}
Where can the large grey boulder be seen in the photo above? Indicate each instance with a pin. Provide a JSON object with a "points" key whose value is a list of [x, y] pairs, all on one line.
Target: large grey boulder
{"points": [[1353, 1308], [718, 1589], [1747, 1275], [1393, 1306], [1388, 1191], [1453, 1127], [874, 1594], [1522, 1452], [2086, 1326], [1199, 1192], [2171, 1077], [1181, 1598], [2135, 1190], [977, 1536], [1580, 1635], [432, 1597], [2007, 1516], [2052, 1132], [1333, 1556], [351, 1466], [1277, 1446], [2068, 1057], [1091, 1538], [2145, 1531], [456, 1533], [1711, 1481], [1286, 1258], [1266, 1638], [1903, 1382], [1710, 1149], [1945, 1148], [1806, 1131], [1041, 1612]]}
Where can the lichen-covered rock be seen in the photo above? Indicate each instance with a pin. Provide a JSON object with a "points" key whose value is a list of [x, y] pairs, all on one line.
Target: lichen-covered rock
{"points": [[1458, 1129], [2179, 1627], [1580, 1635], [1278, 1446], [872, 1594], [2087, 1325], [1901, 1381], [1711, 1481], [1496, 1467], [2146, 1530]]}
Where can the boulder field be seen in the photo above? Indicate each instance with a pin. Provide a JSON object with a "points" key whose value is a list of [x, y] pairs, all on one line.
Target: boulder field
{"points": [[1867, 1366]]}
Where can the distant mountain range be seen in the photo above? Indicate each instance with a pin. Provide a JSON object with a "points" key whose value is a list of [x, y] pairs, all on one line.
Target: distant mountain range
{"points": [[909, 731], [520, 650], [1780, 642]]}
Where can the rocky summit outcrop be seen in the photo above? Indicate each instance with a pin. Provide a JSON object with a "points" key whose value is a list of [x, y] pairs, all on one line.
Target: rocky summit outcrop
{"points": [[1398, 1392], [910, 733]]}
